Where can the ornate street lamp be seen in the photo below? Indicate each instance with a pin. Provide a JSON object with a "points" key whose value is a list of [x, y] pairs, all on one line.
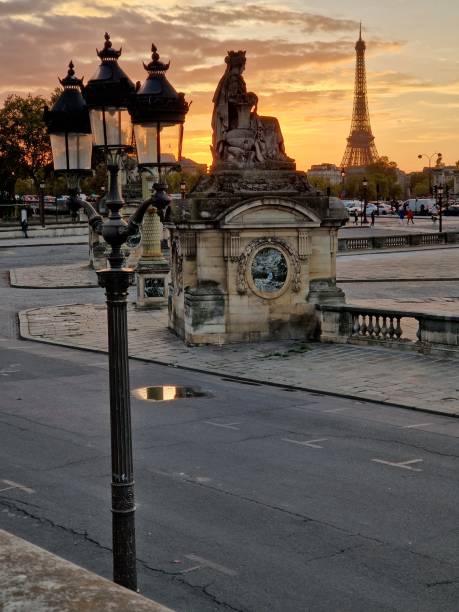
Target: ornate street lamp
{"points": [[70, 135], [158, 114], [106, 97]]}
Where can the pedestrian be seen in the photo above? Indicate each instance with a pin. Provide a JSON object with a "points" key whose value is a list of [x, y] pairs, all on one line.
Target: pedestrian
{"points": [[409, 216], [401, 215], [373, 215], [434, 212], [24, 227], [356, 218]]}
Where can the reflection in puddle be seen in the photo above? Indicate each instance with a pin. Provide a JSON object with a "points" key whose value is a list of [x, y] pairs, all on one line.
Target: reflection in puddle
{"points": [[167, 393]]}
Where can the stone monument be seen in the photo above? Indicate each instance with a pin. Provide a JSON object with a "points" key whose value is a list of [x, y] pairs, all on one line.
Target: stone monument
{"points": [[253, 247]]}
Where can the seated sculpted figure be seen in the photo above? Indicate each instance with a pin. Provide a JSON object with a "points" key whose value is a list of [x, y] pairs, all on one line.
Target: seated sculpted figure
{"points": [[239, 135]]}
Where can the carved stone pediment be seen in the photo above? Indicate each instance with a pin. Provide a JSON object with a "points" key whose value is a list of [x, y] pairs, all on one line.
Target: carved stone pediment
{"points": [[269, 212]]}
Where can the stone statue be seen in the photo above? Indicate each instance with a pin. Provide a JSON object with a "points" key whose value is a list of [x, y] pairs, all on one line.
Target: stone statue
{"points": [[240, 137]]}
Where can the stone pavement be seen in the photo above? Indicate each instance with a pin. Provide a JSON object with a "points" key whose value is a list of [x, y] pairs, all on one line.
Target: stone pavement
{"points": [[54, 277], [408, 265], [34, 580], [45, 241], [432, 264], [378, 374]]}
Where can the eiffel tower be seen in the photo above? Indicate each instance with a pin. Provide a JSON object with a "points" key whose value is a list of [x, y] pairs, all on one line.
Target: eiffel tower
{"points": [[361, 149]]}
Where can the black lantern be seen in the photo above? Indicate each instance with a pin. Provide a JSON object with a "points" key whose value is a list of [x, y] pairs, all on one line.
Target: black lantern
{"points": [[69, 128], [158, 114], [107, 94]]}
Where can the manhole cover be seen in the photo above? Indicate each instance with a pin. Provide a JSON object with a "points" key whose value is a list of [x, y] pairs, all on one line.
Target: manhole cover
{"points": [[167, 393]]}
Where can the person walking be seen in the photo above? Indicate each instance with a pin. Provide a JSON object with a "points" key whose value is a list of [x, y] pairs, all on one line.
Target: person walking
{"points": [[356, 218], [373, 215], [401, 215], [409, 217], [24, 227]]}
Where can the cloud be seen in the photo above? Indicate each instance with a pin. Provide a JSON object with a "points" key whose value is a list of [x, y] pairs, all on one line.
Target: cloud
{"points": [[221, 14]]}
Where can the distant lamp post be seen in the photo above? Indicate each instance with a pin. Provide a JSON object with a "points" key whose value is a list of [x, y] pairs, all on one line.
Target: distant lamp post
{"points": [[343, 178], [377, 198], [365, 200], [183, 189], [439, 192], [42, 204], [429, 158]]}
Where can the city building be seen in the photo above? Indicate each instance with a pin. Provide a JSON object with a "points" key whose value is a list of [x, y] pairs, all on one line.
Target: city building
{"points": [[329, 173]]}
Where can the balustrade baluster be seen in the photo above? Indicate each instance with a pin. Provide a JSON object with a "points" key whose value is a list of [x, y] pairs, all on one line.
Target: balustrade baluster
{"points": [[384, 329], [363, 326], [398, 329], [355, 324], [370, 325], [391, 331], [377, 327]]}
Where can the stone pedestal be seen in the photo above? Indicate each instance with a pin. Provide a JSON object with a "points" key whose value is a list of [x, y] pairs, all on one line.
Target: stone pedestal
{"points": [[252, 253], [152, 269]]}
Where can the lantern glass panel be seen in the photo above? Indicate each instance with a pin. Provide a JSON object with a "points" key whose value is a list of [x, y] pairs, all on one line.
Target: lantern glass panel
{"points": [[73, 152], [170, 143], [146, 139], [111, 127]]}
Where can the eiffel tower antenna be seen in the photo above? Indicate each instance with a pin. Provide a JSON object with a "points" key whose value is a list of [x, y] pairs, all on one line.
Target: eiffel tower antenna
{"points": [[361, 149]]}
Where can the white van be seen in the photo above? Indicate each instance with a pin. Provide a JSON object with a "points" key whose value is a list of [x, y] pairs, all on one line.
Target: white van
{"points": [[418, 205]]}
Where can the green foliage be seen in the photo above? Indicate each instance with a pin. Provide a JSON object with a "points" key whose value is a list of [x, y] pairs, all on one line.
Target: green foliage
{"points": [[25, 150], [175, 178], [382, 174], [322, 184]]}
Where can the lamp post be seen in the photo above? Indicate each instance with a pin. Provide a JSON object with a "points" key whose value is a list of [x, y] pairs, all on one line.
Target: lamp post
{"points": [[343, 177], [365, 200], [106, 100], [377, 198], [183, 189], [439, 192], [41, 204], [429, 157]]}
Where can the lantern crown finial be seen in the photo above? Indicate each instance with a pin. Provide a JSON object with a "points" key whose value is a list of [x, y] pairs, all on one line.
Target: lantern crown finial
{"points": [[155, 67], [108, 54], [71, 81]]}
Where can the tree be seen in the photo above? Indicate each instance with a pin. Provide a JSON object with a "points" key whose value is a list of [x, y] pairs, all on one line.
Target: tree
{"points": [[25, 150]]}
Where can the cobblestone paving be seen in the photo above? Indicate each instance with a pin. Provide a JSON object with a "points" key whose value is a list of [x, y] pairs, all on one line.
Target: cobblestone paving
{"points": [[435, 264], [368, 373], [54, 277]]}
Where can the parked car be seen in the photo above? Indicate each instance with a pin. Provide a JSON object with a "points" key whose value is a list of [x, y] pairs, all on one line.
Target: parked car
{"points": [[420, 205]]}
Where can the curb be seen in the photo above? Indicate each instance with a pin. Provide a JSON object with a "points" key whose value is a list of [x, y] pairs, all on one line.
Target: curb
{"points": [[242, 379], [396, 280]]}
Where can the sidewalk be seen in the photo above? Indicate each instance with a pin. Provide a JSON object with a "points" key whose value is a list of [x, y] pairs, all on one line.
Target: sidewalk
{"points": [[34, 580], [376, 374], [45, 241]]}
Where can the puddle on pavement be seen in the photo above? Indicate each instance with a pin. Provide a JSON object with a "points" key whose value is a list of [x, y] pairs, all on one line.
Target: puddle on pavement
{"points": [[167, 393]]}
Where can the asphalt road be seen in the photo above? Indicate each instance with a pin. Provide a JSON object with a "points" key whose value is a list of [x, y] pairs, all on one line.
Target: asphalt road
{"points": [[254, 498]]}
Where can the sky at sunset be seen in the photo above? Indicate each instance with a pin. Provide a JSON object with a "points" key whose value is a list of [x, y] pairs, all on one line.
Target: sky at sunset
{"points": [[300, 62]]}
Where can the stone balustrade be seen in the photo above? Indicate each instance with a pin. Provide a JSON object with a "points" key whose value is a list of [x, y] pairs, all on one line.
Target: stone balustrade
{"points": [[401, 241], [422, 332]]}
